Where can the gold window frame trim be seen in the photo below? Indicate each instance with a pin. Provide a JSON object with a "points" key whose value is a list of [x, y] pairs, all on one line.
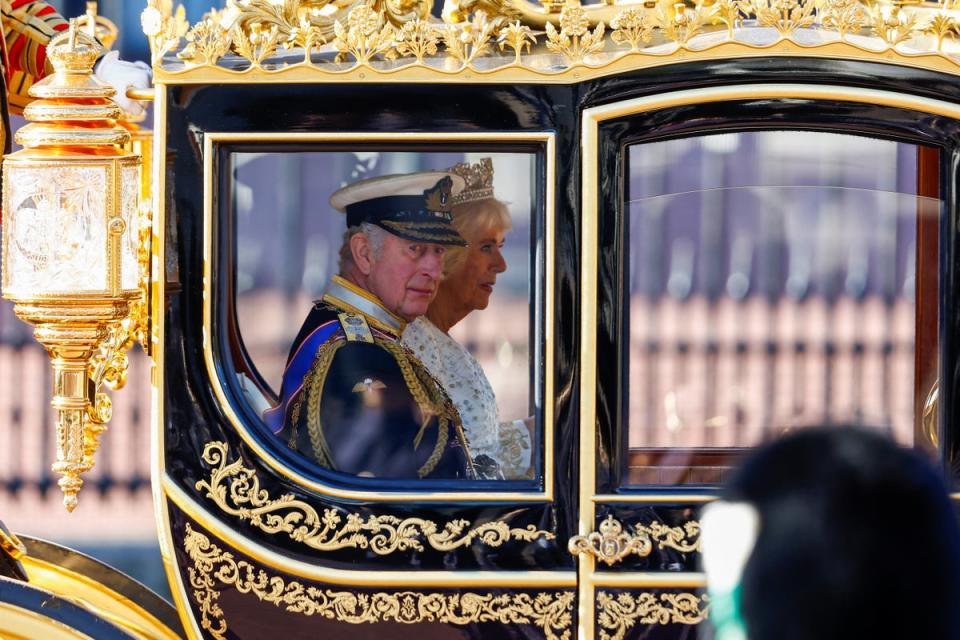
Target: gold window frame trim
{"points": [[512, 73], [591, 119], [545, 138], [158, 250]]}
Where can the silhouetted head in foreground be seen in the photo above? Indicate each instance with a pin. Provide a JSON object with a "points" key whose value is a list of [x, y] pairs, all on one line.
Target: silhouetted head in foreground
{"points": [[852, 537]]}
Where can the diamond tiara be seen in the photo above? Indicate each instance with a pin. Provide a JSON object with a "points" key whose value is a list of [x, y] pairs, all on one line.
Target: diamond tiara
{"points": [[479, 179]]}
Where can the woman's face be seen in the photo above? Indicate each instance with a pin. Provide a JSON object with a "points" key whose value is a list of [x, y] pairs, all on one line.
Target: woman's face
{"points": [[472, 283]]}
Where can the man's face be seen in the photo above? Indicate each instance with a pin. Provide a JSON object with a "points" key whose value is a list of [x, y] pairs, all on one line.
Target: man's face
{"points": [[405, 275]]}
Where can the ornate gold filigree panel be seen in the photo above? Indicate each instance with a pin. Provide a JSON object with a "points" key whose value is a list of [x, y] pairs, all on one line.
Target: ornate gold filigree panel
{"points": [[394, 37], [214, 569], [235, 489], [619, 612]]}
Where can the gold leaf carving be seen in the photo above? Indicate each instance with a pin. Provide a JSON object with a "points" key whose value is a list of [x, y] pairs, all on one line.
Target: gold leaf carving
{"points": [[468, 41], [213, 569], [786, 16], [418, 38], [306, 35], [517, 36], [163, 26], [728, 12], [892, 25], [844, 16], [363, 37], [257, 44], [236, 490], [942, 26], [634, 27], [575, 41], [619, 612], [207, 42], [679, 23]]}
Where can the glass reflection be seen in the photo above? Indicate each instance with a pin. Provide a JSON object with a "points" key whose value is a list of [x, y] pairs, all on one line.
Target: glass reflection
{"points": [[484, 288], [773, 285]]}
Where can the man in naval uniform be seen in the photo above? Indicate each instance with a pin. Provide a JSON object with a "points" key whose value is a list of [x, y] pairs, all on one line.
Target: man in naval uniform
{"points": [[353, 398]]}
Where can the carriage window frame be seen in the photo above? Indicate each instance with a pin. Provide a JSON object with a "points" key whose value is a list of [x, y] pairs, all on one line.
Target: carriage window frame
{"points": [[222, 342], [610, 141]]}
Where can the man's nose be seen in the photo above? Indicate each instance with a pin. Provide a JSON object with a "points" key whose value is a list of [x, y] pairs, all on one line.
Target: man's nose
{"points": [[432, 265]]}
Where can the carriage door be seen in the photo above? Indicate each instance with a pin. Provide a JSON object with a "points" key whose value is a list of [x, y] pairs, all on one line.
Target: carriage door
{"points": [[739, 282]]}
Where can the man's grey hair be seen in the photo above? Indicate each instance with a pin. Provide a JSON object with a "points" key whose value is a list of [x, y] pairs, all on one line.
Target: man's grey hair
{"points": [[375, 235]]}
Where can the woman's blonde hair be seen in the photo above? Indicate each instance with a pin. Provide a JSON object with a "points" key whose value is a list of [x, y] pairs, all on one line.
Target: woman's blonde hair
{"points": [[472, 219]]}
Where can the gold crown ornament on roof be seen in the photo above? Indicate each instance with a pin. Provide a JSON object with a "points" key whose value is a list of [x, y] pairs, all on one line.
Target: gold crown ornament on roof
{"points": [[478, 177]]}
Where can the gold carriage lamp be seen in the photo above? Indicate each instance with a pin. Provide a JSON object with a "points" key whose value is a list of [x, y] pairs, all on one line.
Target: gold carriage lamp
{"points": [[70, 245]]}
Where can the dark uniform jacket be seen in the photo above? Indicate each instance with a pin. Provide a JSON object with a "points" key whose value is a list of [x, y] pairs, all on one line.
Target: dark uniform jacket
{"points": [[355, 400]]}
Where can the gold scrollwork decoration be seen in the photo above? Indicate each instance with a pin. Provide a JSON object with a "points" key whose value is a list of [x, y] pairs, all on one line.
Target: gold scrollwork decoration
{"points": [[214, 569], [611, 544], [617, 613], [685, 539], [236, 490]]}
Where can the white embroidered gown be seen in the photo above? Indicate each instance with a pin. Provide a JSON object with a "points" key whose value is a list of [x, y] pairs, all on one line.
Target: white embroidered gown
{"points": [[465, 382]]}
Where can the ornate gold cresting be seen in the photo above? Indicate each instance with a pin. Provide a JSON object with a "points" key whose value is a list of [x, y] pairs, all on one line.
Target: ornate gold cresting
{"points": [[70, 245], [612, 544], [236, 490], [214, 569], [617, 613], [486, 36]]}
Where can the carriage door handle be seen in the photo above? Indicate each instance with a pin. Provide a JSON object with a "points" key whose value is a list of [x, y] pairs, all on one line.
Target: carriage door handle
{"points": [[611, 544]]}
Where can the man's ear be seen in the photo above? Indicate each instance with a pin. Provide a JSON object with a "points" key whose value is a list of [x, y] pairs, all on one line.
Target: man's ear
{"points": [[362, 254]]}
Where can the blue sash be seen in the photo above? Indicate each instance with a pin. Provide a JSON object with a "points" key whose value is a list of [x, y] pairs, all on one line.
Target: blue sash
{"points": [[297, 369]]}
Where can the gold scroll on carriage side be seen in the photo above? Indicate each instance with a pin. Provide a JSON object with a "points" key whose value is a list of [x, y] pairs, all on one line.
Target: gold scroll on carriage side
{"points": [[213, 569], [517, 40], [235, 490]]}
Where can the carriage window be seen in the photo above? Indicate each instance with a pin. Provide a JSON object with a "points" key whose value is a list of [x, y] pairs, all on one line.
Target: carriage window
{"points": [[776, 280], [385, 308]]}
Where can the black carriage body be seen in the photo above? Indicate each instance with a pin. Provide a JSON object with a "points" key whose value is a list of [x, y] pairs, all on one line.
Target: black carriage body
{"points": [[240, 574]]}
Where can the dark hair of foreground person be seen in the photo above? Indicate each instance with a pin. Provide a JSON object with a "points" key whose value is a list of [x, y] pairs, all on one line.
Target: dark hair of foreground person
{"points": [[858, 539]]}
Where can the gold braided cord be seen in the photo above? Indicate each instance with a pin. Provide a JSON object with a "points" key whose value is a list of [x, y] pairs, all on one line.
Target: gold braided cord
{"points": [[448, 409], [316, 379], [429, 397]]}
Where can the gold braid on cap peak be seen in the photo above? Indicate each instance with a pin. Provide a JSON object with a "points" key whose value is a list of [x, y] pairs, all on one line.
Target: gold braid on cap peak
{"points": [[479, 179]]}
